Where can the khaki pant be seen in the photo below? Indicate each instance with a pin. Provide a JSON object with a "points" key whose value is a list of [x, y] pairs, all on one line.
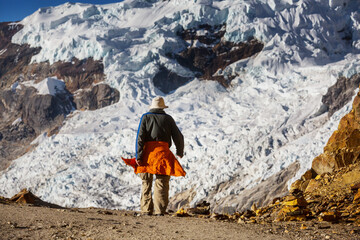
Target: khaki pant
{"points": [[161, 193]]}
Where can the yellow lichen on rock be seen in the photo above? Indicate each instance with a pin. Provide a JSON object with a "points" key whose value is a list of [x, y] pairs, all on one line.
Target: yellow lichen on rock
{"points": [[357, 197], [181, 213], [295, 201], [343, 147]]}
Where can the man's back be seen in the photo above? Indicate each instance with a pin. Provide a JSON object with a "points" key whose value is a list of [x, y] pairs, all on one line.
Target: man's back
{"points": [[156, 125]]}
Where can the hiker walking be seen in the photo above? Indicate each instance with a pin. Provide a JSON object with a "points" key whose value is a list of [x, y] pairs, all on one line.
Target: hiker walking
{"points": [[156, 132]]}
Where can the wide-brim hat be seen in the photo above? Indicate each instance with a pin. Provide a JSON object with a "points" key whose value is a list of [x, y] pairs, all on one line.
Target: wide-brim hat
{"points": [[158, 102]]}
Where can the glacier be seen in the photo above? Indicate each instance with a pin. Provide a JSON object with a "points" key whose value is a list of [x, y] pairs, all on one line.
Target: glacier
{"points": [[266, 120]]}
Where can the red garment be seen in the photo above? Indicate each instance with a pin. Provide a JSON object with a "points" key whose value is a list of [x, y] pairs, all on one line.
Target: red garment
{"points": [[158, 159]]}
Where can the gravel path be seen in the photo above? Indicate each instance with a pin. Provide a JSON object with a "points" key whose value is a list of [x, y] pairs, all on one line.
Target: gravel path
{"points": [[30, 222]]}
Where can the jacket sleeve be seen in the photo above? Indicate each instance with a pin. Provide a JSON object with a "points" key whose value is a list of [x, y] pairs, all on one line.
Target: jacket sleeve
{"points": [[178, 139], [140, 138]]}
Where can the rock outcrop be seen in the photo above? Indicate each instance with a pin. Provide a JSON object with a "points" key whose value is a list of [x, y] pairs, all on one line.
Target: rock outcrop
{"points": [[98, 96], [343, 147], [340, 93], [13, 57], [27, 197], [26, 113], [207, 55], [330, 190]]}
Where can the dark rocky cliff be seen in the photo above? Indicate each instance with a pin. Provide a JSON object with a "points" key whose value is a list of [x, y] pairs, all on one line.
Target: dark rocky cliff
{"points": [[207, 55], [24, 113]]}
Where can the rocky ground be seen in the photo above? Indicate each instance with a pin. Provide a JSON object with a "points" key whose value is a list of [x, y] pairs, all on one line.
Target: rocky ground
{"points": [[25, 221]]}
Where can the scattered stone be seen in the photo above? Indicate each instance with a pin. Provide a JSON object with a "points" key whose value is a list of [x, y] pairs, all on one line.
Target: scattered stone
{"points": [[254, 208], [312, 185], [329, 216], [357, 197], [24, 196], [295, 201], [355, 187], [220, 217], [105, 212], [200, 209], [355, 231], [303, 227], [181, 213]]}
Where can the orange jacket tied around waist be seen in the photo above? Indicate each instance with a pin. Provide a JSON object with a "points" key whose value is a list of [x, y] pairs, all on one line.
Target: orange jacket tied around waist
{"points": [[157, 159]]}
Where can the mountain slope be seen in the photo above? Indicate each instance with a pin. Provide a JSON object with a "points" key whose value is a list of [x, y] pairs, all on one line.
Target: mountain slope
{"points": [[244, 120]]}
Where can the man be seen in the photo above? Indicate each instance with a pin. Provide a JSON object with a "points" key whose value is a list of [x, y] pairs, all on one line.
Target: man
{"points": [[156, 132]]}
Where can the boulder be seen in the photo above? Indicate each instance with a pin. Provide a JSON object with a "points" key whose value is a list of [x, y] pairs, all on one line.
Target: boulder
{"points": [[329, 216], [295, 201], [291, 213], [323, 164], [357, 197], [309, 174], [27, 197], [41, 112], [98, 96], [24, 196], [313, 184]]}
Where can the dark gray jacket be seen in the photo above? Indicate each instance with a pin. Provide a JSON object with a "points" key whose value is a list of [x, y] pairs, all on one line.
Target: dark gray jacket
{"points": [[156, 125]]}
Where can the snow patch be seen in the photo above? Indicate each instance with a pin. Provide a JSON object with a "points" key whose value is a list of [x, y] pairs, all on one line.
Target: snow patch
{"points": [[48, 86]]}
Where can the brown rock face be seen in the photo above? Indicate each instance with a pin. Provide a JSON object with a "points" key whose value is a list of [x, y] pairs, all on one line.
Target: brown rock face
{"points": [[343, 147], [77, 74], [208, 54], [340, 93], [7, 31], [24, 196], [27, 197], [14, 57], [98, 96], [35, 113]]}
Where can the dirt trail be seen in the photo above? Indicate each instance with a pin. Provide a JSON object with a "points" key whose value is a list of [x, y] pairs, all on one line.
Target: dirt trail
{"points": [[30, 222]]}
